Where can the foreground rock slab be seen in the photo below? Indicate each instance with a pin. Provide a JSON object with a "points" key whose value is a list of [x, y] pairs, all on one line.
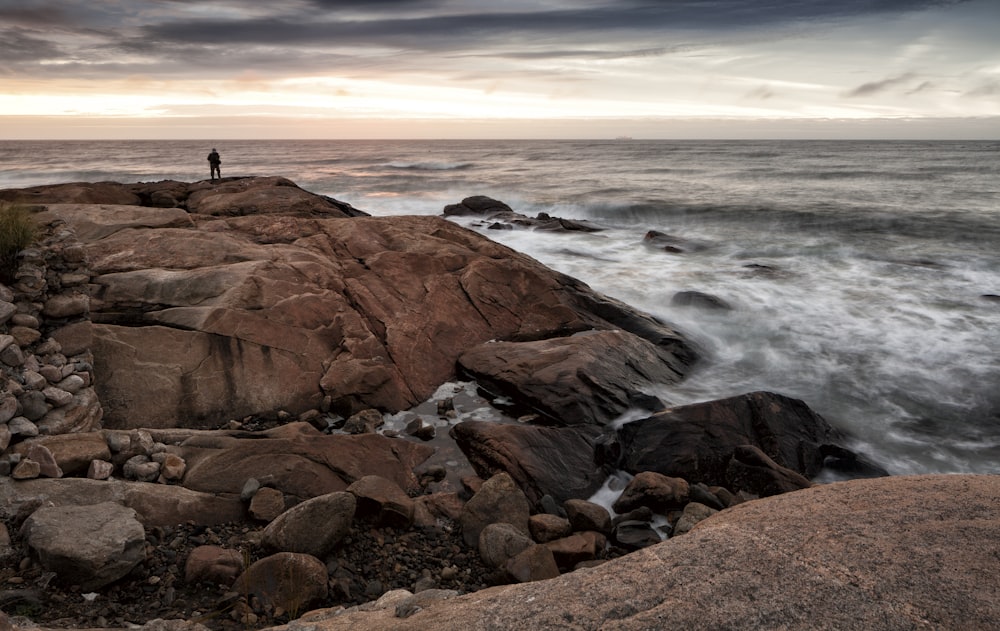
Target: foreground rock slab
{"points": [[920, 552]]}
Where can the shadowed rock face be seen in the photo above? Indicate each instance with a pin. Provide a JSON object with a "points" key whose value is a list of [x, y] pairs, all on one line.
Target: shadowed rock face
{"points": [[252, 295], [697, 441]]}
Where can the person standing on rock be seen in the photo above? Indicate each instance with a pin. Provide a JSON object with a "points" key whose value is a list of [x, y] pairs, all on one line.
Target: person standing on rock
{"points": [[214, 163]]}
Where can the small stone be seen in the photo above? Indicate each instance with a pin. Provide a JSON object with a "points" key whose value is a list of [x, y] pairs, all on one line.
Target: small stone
{"points": [[545, 527], [57, 396], [8, 407], [100, 470], [250, 488], [5, 437], [141, 469], [424, 583], [25, 319], [33, 405], [418, 428], [66, 305], [52, 374], [535, 563], [500, 542], [693, 513], [267, 504], [213, 564], [26, 469], [34, 380], [364, 422], [72, 384], [118, 442], [12, 355], [7, 311], [584, 515], [172, 467], [25, 336], [47, 465]]}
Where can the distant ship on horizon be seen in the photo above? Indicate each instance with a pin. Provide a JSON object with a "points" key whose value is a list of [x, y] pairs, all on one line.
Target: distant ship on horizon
{"points": [[623, 137]]}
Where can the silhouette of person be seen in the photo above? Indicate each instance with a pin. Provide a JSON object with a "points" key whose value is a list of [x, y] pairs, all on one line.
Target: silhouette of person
{"points": [[214, 162]]}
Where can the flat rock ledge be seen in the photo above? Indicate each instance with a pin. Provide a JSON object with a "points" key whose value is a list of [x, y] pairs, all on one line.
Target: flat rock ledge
{"points": [[915, 552]]}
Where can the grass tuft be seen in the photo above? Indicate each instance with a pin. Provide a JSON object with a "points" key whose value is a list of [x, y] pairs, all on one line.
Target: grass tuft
{"points": [[17, 231]]}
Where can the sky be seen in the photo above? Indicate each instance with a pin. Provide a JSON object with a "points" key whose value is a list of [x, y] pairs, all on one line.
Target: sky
{"points": [[226, 69]]}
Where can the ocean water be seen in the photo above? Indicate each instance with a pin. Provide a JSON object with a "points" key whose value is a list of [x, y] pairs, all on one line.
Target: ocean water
{"points": [[863, 276]]}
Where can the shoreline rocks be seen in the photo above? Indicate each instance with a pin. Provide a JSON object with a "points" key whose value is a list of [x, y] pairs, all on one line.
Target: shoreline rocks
{"points": [[225, 355]]}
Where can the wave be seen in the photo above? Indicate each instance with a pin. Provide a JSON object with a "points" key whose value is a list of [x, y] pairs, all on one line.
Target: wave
{"points": [[430, 166]]}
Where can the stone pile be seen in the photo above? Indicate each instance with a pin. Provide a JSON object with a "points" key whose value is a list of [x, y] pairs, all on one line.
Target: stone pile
{"points": [[46, 365]]}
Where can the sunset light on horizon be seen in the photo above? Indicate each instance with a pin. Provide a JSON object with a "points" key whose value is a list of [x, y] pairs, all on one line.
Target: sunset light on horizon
{"points": [[440, 68]]}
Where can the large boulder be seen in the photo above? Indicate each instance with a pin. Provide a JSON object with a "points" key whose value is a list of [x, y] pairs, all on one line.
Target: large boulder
{"points": [[591, 377], [696, 442], [556, 461], [286, 581], [917, 552], [300, 467], [154, 504], [90, 546], [268, 298], [313, 527], [498, 500]]}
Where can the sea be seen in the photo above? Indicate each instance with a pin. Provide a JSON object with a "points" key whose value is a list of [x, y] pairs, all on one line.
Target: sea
{"points": [[863, 276]]}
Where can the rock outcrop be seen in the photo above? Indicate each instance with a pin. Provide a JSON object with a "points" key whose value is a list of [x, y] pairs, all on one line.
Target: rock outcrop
{"points": [[893, 553], [257, 296]]}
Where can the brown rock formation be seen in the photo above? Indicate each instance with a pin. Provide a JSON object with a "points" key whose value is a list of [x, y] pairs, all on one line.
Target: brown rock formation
{"points": [[696, 442], [285, 302], [917, 552]]}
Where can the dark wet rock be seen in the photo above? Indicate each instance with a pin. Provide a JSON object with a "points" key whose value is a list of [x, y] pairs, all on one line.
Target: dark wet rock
{"points": [[655, 491], [584, 515], [850, 464], [750, 470], [503, 217], [633, 535], [696, 442], [700, 300], [559, 462], [703, 495], [671, 243]]}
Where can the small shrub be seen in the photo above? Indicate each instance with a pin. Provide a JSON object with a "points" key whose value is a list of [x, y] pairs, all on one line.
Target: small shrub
{"points": [[17, 231]]}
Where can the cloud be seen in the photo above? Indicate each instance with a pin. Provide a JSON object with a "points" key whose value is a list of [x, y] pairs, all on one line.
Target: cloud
{"points": [[17, 44], [986, 89], [762, 93], [877, 87]]}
